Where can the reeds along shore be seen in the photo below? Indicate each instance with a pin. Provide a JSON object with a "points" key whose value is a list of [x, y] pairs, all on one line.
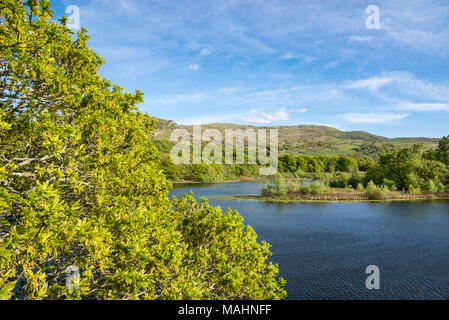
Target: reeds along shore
{"points": [[342, 194]]}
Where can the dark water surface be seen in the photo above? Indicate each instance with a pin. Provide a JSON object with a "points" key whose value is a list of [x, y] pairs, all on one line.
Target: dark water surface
{"points": [[323, 249]]}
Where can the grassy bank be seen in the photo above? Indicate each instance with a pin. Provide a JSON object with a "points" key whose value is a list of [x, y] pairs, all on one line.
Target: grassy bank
{"points": [[337, 195]]}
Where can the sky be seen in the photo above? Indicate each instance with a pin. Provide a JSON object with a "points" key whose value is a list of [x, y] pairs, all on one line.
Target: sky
{"points": [[286, 62]]}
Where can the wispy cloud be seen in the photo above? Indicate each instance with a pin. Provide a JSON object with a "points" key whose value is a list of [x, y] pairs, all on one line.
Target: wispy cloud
{"points": [[205, 52], [267, 117], [194, 67], [225, 58], [403, 83], [289, 55], [421, 24], [373, 83], [361, 39], [424, 107], [372, 118]]}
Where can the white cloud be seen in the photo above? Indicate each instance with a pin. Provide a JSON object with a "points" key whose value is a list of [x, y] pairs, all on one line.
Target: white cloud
{"points": [[205, 52], [228, 90], [332, 64], [267, 117], [424, 107], [309, 59], [354, 38], [194, 67], [372, 118], [373, 83], [405, 84], [334, 92], [302, 110], [288, 56], [421, 25]]}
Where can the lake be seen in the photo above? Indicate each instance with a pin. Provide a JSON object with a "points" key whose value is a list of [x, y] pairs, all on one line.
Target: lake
{"points": [[323, 249]]}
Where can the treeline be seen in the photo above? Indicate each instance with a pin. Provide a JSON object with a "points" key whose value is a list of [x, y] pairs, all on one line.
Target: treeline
{"points": [[204, 172], [291, 167], [411, 170], [397, 172], [297, 166], [288, 166], [208, 172]]}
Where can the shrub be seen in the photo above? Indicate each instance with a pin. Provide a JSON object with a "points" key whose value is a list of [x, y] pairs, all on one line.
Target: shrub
{"points": [[390, 184], [374, 192], [316, 187], [340, 180], [440, 187], [430, 186], [413, 190], [281, 187]]}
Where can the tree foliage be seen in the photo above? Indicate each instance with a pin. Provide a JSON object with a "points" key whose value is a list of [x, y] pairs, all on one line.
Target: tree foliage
{"points": [[80, 185], [409, 169], [301, 164], [443, 150]]}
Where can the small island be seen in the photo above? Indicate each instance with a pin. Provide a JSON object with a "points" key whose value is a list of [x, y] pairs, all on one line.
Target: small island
{"points": [[316, 192], [407, 174]]}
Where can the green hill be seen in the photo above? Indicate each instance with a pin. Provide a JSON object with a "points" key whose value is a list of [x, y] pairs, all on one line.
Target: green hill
{"points": [[313, 140]]}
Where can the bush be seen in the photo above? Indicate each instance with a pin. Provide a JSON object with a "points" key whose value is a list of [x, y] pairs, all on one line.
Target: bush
{"points": [[413, 190], [440, 187], [374, 192], [340, 180], [316, 187], [390, 184], [281, 188], [430, 187]]}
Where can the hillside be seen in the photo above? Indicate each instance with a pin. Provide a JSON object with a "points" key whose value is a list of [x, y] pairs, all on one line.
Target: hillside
{"points": [[314, 140]]}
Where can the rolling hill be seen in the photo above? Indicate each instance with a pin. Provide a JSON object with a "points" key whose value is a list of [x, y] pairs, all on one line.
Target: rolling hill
{"points": [[313, 140]]}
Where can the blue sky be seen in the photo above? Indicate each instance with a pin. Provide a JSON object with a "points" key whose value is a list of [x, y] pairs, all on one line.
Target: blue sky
{"points": [[279, 62]]}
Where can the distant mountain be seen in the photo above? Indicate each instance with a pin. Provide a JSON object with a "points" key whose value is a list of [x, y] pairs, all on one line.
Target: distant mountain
{"points": [[313, 139]]}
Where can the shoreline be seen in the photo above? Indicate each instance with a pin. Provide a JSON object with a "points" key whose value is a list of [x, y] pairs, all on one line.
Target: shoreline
{"points": [[337, 195], [247, 179]]}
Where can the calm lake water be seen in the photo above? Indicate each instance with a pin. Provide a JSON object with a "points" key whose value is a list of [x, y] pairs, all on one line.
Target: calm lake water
{"points": [[323, 249]]}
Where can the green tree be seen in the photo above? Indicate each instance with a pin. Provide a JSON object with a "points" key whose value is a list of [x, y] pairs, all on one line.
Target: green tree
{"points": [[346, 164], [430, 186], [374, 192], [281, 187], [287, 163], [443, 150], [407, 167], [80, 185]]}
